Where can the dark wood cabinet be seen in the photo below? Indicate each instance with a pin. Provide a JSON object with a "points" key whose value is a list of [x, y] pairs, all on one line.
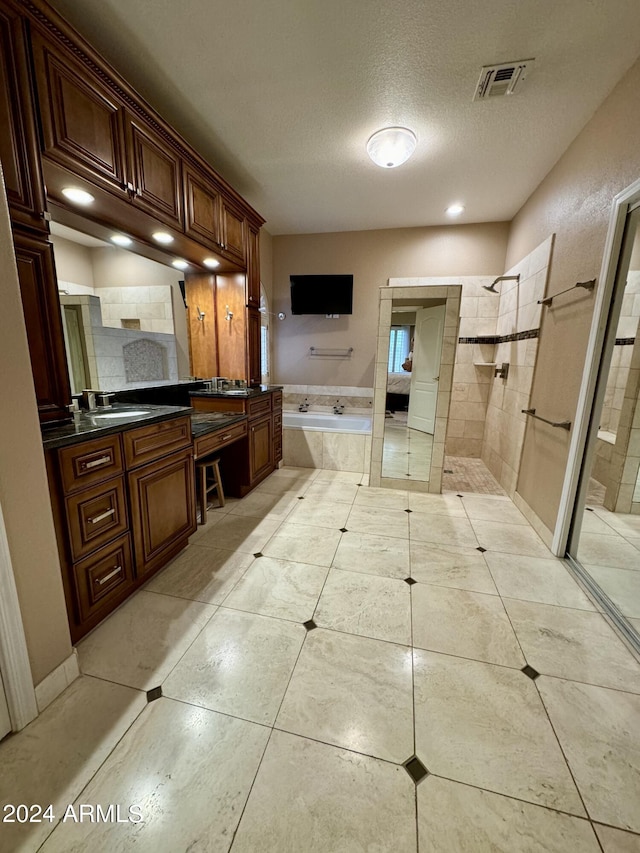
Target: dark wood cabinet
{"points": [[254, 364], [19, 148], [246, 463], [43, 320], [253, 268], [201, 208], [260, 448], [233, 229], [162, 509], [82, 121], [155, 170], [123, 505]]}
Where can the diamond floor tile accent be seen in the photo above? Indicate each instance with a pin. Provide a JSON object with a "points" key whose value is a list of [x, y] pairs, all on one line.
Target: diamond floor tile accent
{"points": [[410, 581], [309, 625], [154, 694], [530, 672], [416, 769]]}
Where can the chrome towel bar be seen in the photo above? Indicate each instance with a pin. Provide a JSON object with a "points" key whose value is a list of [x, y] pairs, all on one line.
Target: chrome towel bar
{"points": [[586, 285], [561, 424]]}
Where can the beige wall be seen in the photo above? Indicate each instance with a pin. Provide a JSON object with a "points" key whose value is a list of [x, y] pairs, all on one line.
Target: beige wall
{"points": [[372, 257], [73, 261], [24, 494], [574, 202]]}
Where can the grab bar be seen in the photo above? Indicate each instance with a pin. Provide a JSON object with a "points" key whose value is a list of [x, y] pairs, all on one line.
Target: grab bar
{"points": [[586, 285], [561, 424]]}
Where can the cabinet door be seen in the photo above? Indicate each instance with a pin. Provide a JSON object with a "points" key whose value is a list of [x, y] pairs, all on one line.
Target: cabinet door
{"points": [[19, 147], [82, 121], [253, 269], [156, 173], [234, 236], [201, 323], [162, 509], [202, 208], [41, 306], [254, 366], [260, 448]]}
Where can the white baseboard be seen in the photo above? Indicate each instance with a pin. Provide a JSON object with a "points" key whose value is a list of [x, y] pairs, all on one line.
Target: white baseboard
{"points": [[57, 681]]}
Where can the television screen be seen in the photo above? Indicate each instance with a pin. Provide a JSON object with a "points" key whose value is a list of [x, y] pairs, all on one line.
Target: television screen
{"points": [[321, 294]]}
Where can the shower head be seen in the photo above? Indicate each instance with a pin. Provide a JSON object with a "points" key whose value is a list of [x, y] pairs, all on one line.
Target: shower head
{"points": [[492, 287]]}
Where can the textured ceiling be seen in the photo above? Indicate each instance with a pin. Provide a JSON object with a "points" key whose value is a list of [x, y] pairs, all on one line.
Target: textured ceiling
{"points": [[282, 96]]}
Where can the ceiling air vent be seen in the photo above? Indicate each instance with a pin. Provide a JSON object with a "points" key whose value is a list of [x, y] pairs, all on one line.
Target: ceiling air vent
{"points": [[498, 80]]}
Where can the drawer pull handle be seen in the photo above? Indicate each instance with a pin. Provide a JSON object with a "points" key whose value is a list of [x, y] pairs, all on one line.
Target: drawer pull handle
{"points": [[108, 577], [225, 437], [103, 460], [102, 516]]}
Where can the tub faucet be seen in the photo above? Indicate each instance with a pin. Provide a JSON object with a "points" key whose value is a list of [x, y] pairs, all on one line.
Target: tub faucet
{"points": [[337, 409], [304, 407]]}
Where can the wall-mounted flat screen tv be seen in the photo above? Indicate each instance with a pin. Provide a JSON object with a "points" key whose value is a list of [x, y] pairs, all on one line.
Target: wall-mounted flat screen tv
{"points": [[321, 294]]}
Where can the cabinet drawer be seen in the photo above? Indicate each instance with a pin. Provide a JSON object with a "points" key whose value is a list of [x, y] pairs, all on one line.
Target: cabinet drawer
{"points": [[210, 443], [147, 443], [277, 449], [277, 423], [95, 516], [90, 462], [104, 577], [261, 406], [277, 400]]}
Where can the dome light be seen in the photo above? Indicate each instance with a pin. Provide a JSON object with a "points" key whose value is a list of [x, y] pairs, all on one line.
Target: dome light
{"points": [[121, 240], [391, 146], [211, 263], [162, 237], [179, 264], [78, 196]]}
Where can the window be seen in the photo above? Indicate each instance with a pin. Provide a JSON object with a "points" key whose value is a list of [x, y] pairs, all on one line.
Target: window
{"points": [[265, 361], [398, 348]]}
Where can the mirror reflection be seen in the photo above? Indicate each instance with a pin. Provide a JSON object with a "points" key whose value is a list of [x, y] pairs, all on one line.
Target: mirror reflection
{"points": [[415, 346], [609, 542], [123, 315]]}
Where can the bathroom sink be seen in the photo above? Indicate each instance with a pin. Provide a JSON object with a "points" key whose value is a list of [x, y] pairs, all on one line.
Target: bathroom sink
{"points": [[112, 416], [241, 392]]}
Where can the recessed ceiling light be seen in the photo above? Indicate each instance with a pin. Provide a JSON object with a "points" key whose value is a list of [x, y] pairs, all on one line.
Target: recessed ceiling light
{"points": [[162, 237], [455, 209], [211, 263], [78, 196], [179, 264], [391, 146], [121, 240]]}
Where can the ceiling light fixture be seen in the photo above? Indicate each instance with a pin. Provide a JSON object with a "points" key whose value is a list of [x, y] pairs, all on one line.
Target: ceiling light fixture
{"points": [[391, 146], [162, 237], [121, 240], [211, 263], [455, 209], [78, 196], [179, 264]]}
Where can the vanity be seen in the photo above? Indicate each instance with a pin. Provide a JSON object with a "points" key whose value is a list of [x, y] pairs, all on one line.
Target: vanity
{"points": [[123, 491]]}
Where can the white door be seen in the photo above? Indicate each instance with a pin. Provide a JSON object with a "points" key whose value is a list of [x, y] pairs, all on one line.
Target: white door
{"points": [[5, 722], [427, 349]]}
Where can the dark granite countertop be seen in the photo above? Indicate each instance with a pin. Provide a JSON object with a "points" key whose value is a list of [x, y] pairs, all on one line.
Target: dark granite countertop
{"points": [[96, 424], [243, 395], [206, 422]]}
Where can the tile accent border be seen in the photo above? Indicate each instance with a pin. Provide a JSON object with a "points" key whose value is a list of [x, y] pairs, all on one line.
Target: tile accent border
{"points": [[57, 681], [502, 339]]}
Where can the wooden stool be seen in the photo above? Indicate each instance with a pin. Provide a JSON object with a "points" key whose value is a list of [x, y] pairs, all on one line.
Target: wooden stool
{"points": [[205, 467]]}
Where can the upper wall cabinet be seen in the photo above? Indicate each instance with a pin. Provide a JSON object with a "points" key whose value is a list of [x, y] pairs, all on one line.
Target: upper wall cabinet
{"points": [[19, 149], [234, 237], [202, 207], [82, 121], [253, 268], [156, 173]]}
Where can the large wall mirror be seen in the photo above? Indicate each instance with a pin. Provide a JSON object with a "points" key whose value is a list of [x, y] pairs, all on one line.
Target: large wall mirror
{"points": [[123, 314], [414, 372], [605, 538]]}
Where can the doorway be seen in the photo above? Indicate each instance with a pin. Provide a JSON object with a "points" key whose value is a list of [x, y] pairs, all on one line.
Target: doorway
{"points": [[603, 543]]}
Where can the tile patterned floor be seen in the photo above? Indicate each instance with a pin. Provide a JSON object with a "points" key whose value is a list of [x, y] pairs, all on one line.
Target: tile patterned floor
{"points": [[469, 475], [345, 669], [406, 452]]}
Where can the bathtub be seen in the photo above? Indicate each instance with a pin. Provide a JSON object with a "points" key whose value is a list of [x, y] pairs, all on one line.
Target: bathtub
{"points": [[333, 442], [326, 423]]}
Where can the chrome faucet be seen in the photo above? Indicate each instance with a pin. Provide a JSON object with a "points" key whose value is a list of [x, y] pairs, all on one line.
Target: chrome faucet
{"points": [[304, 407], [89, 399], [338, 409]]}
